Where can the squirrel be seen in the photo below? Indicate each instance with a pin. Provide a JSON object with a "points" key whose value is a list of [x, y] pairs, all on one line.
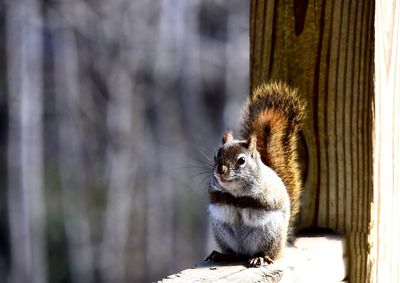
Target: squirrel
{"points": [[256, 185]]}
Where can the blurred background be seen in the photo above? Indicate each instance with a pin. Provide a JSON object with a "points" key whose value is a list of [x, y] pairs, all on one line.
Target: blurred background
{"points": [[109, 113]]}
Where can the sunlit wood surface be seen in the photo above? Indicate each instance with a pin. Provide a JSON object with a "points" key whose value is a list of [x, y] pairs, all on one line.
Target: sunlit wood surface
{"points": [[311, 259], [386, 209]]}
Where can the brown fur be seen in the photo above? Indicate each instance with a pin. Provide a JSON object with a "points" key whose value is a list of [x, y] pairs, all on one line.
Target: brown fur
{"points": [[274, 113]]}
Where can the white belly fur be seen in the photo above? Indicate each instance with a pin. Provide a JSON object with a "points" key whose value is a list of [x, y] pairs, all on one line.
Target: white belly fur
{"points": [[245, 216], [251, 229]]}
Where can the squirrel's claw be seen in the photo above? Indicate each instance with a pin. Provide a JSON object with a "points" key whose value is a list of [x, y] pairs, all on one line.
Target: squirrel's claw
{"points": [[259, 261]]}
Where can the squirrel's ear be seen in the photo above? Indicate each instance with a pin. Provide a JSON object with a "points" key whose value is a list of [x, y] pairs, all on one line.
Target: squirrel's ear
{"points": [[252, 143], [228, 137]]}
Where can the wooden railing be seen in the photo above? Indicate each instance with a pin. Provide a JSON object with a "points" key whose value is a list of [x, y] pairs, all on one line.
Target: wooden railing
{"points": [[310, 259]]}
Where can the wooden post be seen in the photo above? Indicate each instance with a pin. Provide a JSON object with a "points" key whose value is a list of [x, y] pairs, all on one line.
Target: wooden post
{"points": [[386, 232], [326, 49]]}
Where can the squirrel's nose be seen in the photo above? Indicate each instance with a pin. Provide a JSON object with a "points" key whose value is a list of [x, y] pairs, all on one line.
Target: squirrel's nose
{"points": [[222, 169]]}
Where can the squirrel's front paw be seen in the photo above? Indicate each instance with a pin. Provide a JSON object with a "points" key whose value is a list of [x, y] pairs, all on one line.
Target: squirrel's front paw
{"points": [[259, 261]]}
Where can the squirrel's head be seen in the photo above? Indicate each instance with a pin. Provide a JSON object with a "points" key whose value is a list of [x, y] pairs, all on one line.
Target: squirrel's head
{"points": [[236, 164]]}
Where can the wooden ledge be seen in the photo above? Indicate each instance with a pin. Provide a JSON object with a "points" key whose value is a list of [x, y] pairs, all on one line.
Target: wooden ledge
{"points": [[311, 259]]}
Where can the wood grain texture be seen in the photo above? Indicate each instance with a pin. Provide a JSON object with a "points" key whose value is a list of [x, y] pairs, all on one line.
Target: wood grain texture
{"points": [[311, 259], [386, 232], [326, 49]]}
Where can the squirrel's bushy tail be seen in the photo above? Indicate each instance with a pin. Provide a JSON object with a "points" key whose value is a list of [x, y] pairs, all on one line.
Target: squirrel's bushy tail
{"points": [[274, 113]]}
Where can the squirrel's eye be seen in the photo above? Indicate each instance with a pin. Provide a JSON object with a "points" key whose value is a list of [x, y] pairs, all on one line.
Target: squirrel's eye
{"points": [[241, 161]]}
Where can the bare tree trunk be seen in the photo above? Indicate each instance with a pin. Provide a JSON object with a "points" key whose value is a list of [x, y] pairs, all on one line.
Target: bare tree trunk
{"points": [[121, 147], [25, 159], [71, 163], [160, 189], [122, 168]]}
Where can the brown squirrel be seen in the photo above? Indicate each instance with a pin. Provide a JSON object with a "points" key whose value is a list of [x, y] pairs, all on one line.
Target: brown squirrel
{"points": [[255, 189]]}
